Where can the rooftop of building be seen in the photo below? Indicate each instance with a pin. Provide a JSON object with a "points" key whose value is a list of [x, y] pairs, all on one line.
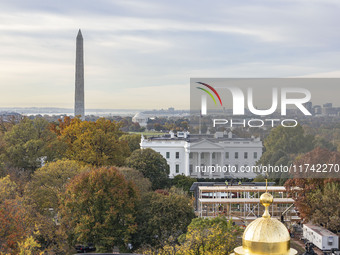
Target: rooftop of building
{"points": [[219, 185], [186, 136], [320, 230]]}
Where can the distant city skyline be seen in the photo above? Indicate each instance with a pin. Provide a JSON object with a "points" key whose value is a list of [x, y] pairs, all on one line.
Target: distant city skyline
{"points": [[142, 54]]}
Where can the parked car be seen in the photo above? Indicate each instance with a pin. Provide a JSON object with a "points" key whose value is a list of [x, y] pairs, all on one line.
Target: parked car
{"points": [[85, 248]]}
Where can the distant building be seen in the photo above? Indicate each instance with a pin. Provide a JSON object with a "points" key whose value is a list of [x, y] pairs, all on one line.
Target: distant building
{"points": [[327, 105], [317, 109], [191, 155], [141, 119]]}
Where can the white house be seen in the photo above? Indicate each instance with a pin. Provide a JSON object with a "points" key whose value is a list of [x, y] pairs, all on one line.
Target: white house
{"points": [[221, 155]]}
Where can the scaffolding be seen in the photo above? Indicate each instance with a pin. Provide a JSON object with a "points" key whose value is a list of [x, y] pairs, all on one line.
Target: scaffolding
{"points": [[242, 203]]}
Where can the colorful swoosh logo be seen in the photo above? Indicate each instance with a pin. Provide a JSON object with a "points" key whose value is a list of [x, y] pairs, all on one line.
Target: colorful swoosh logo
{"points": [[209, 93]]}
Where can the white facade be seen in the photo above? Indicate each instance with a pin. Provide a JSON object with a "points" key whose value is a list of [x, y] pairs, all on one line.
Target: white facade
{"points": [[320, 237], [206, 156]]}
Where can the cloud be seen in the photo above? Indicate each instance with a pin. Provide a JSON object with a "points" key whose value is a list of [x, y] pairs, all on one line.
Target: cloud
{"points": [[143, 46]]}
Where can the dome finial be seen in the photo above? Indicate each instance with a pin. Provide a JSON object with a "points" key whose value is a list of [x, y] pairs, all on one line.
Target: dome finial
{"points": [[266, 200]]}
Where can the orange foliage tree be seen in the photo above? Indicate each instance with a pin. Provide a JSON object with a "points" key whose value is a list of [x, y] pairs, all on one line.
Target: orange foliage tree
{"points": [[14, 226]]}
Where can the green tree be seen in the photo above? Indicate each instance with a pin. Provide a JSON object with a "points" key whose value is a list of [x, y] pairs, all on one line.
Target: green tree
{"points": [[133, 141], [183, 182], [30, 143], [323, 143], [142, 184], [325, 206], [217, 236], [282, 145], [162, 216], [152, 165], [99, 207], [96, 143], [49, 182]]}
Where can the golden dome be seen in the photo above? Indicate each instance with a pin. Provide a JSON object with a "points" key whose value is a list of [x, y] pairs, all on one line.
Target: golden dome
{"points": [[265, 235]]}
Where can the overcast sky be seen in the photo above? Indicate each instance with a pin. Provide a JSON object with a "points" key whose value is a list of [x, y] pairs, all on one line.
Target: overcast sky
{"points": [[142, 54]]}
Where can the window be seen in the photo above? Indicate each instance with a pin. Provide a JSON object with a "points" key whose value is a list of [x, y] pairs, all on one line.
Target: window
{"points": [[236, 154], [191, 167], [236, 168], [177, 154], [246, 155], [177, 169], [255, 154], [227, 155], [190, 155], [213, 155], [202, 155], [167, 154]]}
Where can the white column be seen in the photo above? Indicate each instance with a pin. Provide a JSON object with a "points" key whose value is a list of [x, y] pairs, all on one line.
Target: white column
{"points": [[209, 164], [222, 164], [186, 163], [199, 163]]}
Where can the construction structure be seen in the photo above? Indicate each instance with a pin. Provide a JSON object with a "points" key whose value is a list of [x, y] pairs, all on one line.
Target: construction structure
{"points": [[242, 203]]}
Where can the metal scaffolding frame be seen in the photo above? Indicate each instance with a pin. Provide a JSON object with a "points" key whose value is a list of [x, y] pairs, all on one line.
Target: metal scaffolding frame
{"points": [[242, 203]]}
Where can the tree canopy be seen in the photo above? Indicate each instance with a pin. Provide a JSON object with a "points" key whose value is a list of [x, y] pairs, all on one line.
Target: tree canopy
{"points": [[49, 182], [215, 236], [317, 199], [96, 143], [98, 207], [161, 217], [152, 165], [29, 144]]}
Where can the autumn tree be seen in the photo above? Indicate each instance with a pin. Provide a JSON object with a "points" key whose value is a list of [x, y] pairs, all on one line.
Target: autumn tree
{"points": [[96, 143], [162, 216], [152, 165], [8, 189], [22, 221], [312, 194], [98, 207], [14, 225]]}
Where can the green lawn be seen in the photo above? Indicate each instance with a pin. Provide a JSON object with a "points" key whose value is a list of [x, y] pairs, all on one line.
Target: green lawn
{"points": [[149, 133]]}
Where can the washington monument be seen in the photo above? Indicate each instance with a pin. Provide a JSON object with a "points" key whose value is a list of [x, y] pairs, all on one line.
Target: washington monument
{"points": [[79, 108]]}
